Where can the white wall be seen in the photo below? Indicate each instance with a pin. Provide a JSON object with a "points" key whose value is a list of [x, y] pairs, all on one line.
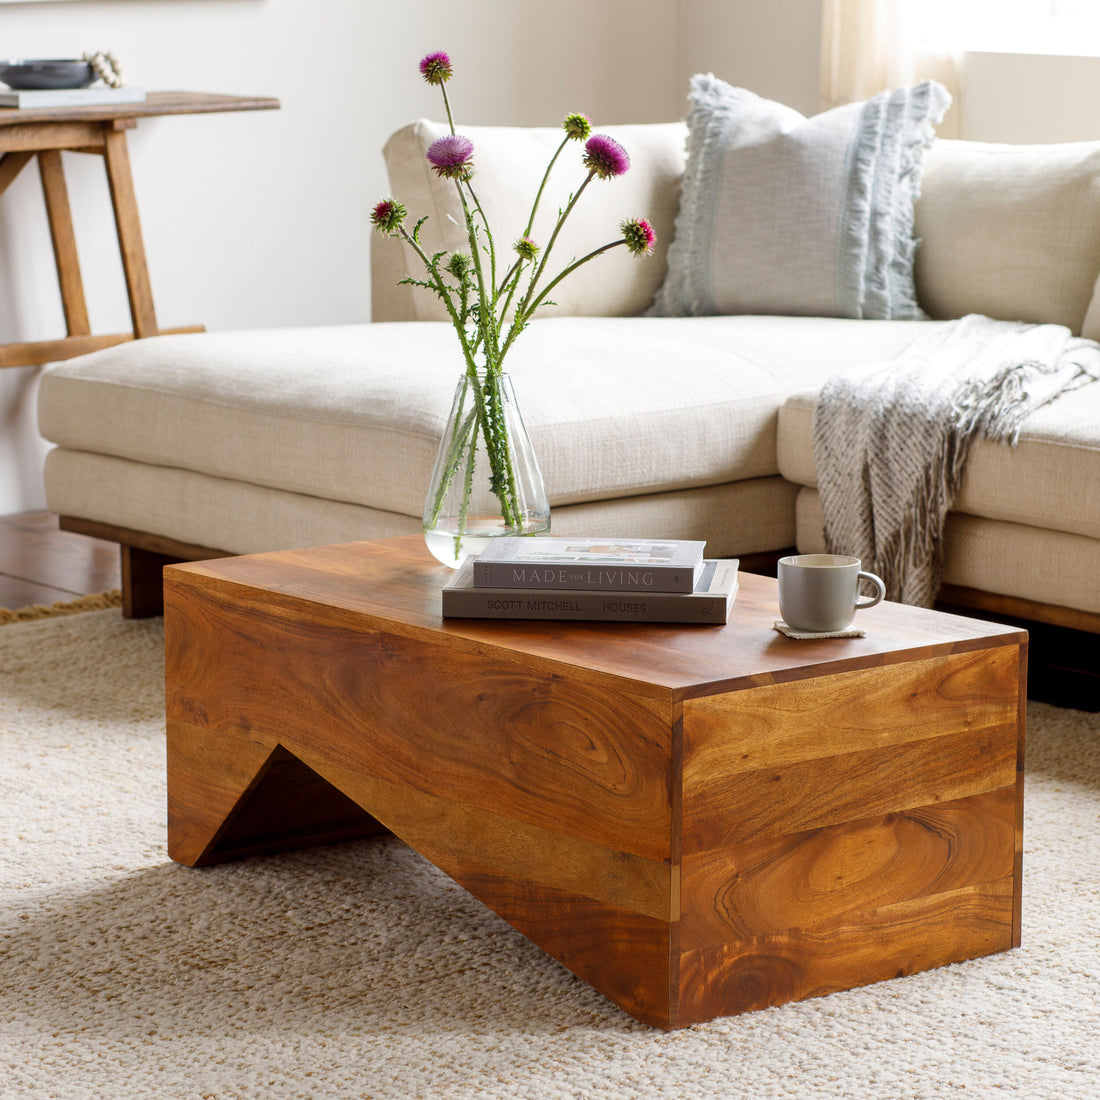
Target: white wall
{"points": [[1030, 98], [772, 47], [260, 219]]}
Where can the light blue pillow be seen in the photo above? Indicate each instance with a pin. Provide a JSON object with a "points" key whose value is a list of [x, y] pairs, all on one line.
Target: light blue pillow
{"points": [[791, 215]]}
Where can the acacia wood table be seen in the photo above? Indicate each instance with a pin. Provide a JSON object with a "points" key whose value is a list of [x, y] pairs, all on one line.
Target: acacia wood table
{"points": [[45, 132], [698, 821]]}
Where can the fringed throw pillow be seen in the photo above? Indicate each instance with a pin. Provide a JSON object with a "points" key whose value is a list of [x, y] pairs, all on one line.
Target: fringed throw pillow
{"points": [[785, 214]]}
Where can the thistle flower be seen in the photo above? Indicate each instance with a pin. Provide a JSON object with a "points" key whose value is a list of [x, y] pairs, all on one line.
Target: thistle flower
{"points": [[526, 248], [387, 216], [638, 236], [436, 68], [577, 127], [605, 157], [452, 157], [458, 265]]}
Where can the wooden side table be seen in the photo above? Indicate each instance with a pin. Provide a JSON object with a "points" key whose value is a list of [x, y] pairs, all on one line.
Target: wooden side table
{"points": [[101, 129]]}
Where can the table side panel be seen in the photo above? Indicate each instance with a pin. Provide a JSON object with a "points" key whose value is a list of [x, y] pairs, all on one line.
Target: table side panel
{"points": [[890, 942], [565, 756], [773, 760], [839, 872], [549, 800], [229, 798], [478, 841], [33, 136], [620, 952], [848, 828]]}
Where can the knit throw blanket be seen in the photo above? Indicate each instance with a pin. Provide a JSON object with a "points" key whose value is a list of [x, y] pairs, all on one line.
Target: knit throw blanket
{"points": [[890, 441]]}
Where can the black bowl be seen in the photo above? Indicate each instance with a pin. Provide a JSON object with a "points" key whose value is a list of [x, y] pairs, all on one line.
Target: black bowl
{"points": [[47, 74]]}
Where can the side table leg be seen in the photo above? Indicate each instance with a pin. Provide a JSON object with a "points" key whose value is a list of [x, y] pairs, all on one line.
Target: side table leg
{"points": [[132, 247], [11, 164], [64, 242]]}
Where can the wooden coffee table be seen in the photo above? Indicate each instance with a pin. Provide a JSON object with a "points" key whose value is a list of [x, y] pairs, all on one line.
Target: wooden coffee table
{"points": [[698, 821]]}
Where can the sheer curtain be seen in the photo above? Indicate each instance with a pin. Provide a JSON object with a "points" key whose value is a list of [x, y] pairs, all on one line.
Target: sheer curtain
{"points": [[871, 45]]}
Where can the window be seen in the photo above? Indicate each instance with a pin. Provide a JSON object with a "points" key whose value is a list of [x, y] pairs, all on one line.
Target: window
{"points": [[1015, 26]]}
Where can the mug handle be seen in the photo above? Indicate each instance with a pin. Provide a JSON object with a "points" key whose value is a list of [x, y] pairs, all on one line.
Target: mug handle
{"points": [[877, 582]]}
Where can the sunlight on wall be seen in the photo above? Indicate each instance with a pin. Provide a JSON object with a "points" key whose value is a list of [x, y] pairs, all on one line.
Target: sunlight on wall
{"points": [[1009, 26]]}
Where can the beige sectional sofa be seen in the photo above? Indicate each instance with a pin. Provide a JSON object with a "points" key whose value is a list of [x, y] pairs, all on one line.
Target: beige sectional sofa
{"points": [[689, 427]]}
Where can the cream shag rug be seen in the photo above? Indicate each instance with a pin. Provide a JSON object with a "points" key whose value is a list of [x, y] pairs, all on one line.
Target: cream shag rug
{"points": [[360, 971]]}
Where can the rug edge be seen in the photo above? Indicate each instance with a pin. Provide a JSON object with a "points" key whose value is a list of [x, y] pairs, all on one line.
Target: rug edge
{"points": [[96, 601]]}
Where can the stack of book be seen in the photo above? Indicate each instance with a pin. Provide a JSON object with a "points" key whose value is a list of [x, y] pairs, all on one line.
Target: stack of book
{"points": [[615, 580]]}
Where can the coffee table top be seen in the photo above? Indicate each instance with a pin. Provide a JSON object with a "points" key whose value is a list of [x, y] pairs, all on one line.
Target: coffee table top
{"points": [[395, 583]]}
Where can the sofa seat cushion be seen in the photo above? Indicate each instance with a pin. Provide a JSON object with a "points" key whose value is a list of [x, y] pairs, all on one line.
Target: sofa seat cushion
{"points": [[616, 407], [1050, 479]]}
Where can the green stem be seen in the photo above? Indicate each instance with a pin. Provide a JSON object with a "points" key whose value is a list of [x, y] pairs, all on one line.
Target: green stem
{"points": [[542, 186], [450, 466], [569, 271], [486, 415], [447, 106], [440, 289], [471, 235], [515, 271], [499, 461], [489, 237], [523, 310]]}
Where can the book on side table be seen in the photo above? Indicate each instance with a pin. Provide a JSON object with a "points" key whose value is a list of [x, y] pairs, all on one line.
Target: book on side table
{"points": [[607, 564], [708, 604], [68, 97]]}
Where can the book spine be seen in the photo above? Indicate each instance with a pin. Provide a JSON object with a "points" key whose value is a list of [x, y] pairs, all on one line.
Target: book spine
{"points": [[608, 578], [474, 603]]}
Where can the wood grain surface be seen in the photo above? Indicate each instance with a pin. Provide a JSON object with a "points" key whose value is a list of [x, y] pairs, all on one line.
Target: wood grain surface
{"points": [[696, 820]]}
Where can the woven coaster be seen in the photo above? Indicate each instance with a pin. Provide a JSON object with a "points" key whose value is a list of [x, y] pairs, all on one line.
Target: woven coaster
{"points": [[851, 632]]}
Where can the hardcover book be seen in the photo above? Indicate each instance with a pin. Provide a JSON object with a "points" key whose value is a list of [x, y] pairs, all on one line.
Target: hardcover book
{"points": [[709, 604], [69, 97], [621, 565]]}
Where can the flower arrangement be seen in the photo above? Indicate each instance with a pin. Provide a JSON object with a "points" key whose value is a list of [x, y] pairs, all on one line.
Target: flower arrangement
{"points": [[490, 304]]}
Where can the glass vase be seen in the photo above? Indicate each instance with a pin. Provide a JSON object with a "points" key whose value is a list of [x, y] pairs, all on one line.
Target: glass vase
{"points": [[486, 482]]}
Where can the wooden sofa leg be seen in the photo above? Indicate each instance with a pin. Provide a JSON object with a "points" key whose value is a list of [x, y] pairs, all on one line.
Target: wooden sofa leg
{"points": [[142, 582]]}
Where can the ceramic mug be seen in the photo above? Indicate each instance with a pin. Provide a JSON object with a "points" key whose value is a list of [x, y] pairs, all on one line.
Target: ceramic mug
{"points": [[820, 592]]}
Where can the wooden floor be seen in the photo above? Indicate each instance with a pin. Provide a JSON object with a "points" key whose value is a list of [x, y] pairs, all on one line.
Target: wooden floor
{"points": [[40, 564]]}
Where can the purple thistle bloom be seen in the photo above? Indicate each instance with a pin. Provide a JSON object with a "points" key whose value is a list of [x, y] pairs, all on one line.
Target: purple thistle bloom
{"points": [[387, 216], [452, 157], [436, 68], [639, 236], [605, 157]]}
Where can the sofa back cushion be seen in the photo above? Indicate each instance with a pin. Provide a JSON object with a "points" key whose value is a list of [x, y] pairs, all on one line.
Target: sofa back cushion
{"points": [[1011, 231], [509, 163]]}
